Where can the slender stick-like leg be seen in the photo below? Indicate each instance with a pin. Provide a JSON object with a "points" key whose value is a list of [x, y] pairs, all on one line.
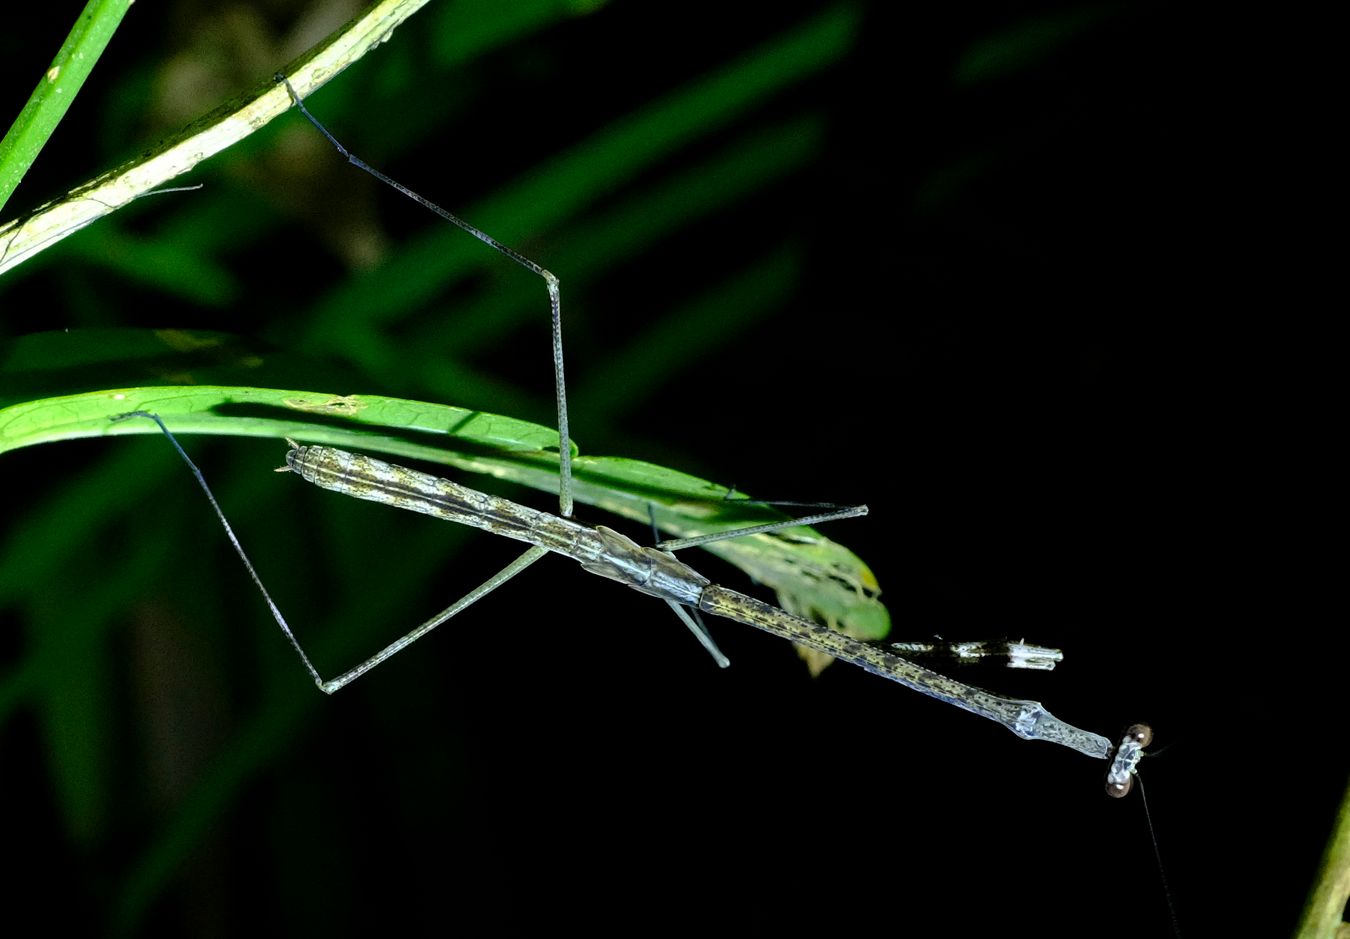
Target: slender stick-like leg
{"points": [[550, 281], [695, 621], [700, 630], [1018, 653], [676, 544], [531, 555], [691, 617]]}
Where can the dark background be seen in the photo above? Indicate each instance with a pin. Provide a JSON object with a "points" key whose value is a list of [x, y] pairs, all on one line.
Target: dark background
{"points": [[994, 275]]}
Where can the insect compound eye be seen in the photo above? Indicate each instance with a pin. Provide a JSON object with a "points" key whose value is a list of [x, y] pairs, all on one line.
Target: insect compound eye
{"points": [[1142, 734], [1119, 790]]}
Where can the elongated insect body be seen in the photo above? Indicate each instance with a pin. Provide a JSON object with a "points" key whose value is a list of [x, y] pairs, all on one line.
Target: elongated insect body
{"points": [[365, 477], [598, 549], [660, 574], [654, 571]]}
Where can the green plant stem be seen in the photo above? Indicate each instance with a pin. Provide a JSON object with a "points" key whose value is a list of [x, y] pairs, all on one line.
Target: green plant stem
{"points": [[1324, 913], [56, 90]]}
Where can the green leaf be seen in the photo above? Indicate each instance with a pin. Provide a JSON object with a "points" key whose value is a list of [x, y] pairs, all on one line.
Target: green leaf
{"points": [[811, 574]]}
